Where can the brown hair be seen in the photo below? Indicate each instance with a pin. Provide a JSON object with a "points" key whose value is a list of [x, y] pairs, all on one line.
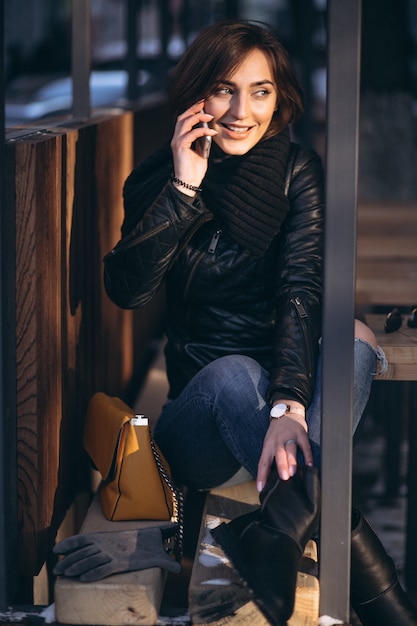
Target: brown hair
{"points": [[219, 50]]}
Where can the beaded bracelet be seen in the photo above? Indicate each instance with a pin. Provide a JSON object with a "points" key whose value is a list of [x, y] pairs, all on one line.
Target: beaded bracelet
{"points": [[180, 182]]}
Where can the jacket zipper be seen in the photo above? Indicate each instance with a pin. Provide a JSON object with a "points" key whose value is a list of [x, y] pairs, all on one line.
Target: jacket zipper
{"points": [[214, 241], [211, 249], [303, 317], [140, 239], [121, 247]]}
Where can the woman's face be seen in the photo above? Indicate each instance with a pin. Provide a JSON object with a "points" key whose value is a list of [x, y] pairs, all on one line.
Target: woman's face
{"points": [[243, 105]]}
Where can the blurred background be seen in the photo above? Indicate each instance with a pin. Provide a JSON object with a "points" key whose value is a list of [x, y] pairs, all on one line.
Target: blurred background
{"points": [[38, 47], [134, 43]]}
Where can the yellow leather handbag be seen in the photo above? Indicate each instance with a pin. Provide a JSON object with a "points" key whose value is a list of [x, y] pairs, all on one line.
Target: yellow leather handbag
{"points": [[136, 481]]}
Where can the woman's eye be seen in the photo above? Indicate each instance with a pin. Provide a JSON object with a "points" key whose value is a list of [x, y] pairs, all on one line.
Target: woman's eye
{"points": [[261, 93], [223, 91]]}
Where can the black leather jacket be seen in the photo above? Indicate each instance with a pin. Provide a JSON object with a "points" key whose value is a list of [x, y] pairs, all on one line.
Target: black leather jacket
{"points": [[220, 298]]}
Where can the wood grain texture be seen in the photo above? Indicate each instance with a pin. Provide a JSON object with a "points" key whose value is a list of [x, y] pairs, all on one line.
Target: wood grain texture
{"points": [[217, 595], [71, 339], [386, 260], [38, 338], [117, 133]]}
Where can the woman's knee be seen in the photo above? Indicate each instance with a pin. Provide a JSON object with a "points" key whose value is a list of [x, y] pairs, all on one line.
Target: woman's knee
{"points": [[232, 365], [362, 331], [234, 375]]}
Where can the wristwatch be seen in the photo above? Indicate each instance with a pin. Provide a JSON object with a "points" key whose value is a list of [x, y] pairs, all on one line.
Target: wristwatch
{"points": [[281, 409]]}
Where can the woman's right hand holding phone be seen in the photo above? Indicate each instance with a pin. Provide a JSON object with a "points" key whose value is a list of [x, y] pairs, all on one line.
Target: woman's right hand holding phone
{"points": [[189, 166]]}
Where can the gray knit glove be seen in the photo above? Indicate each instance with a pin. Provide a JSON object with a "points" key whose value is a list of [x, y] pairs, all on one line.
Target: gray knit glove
{"points": [[97, 555]]}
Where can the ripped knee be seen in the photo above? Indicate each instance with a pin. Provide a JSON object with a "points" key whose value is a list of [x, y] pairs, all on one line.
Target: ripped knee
{"points": [[362, 331]]}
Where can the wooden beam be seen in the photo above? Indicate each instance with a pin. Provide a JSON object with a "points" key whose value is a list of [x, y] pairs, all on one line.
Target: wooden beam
{"points": [[38, 337]]}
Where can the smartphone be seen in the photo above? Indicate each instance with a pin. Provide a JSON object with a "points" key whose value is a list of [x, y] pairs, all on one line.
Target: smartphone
{"points": [[203, 144]]}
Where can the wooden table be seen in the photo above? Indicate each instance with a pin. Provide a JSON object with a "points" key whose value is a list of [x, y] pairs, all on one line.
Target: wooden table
{"points": [[400, 348]]}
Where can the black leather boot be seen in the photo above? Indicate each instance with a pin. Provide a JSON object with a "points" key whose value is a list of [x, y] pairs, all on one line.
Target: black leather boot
{"points": [[265, 547], [376, 593]]}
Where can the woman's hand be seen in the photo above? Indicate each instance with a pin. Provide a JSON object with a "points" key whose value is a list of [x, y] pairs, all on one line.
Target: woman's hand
{"points": [[282, 439], [188, 165]]}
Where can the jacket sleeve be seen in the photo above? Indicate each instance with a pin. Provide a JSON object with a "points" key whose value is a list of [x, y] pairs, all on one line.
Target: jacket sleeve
{"points": [[299, 296], [135, 269]]}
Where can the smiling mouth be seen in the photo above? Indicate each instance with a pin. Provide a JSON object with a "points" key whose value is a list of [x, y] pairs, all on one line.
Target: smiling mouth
{"points": [[237, 129]]}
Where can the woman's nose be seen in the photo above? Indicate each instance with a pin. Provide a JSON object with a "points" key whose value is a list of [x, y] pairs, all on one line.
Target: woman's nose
{"points": [[239, 106]]}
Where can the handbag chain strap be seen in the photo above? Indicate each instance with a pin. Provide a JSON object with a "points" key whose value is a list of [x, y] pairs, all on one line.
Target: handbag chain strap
{"points": [[178, 502]]}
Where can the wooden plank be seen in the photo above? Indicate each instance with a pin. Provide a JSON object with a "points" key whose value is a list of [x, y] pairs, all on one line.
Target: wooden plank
{"points": [[129, 598], [386, 217], [38, 338], [386, 263], [246, 493], [99, 333], [385, 270], [97, 345], [387, 245], [117, 132], [217, 595], [393, 288]]}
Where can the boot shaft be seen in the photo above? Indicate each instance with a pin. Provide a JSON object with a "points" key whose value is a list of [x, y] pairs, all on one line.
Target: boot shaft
{"points": [[292, 506], [265, 546], [372, 570], [376, 593]]}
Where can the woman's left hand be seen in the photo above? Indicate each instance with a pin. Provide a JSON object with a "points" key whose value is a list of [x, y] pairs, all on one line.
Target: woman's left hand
{"points": [[282, 439]]}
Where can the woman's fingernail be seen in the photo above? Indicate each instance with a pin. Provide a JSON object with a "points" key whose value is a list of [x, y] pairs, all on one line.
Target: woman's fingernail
{"points": [[284, 475], [292, 470], [259, 486]]}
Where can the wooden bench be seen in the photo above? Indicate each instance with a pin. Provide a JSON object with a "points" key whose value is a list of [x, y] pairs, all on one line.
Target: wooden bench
{"points": [[216, 594], [133, 597], [129, 598]]}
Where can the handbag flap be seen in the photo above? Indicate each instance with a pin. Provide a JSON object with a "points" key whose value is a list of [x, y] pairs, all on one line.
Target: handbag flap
{"points": [[105, 419]]}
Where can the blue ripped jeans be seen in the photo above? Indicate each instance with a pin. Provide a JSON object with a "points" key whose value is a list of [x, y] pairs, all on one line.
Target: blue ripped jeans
{"points": [[218, 423]]}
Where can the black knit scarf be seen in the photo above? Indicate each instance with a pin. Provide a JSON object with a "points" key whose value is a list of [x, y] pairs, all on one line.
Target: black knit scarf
{"points": [[245, 193]]}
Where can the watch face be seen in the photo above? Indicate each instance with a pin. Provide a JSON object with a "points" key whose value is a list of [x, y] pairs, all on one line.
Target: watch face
{"points": [[278, 410]]}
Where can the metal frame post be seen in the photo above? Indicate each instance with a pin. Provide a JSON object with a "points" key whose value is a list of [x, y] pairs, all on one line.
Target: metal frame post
{"points": [[81, 58], [3, 566], [8, 447], [132, 9], [343, 73]]}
